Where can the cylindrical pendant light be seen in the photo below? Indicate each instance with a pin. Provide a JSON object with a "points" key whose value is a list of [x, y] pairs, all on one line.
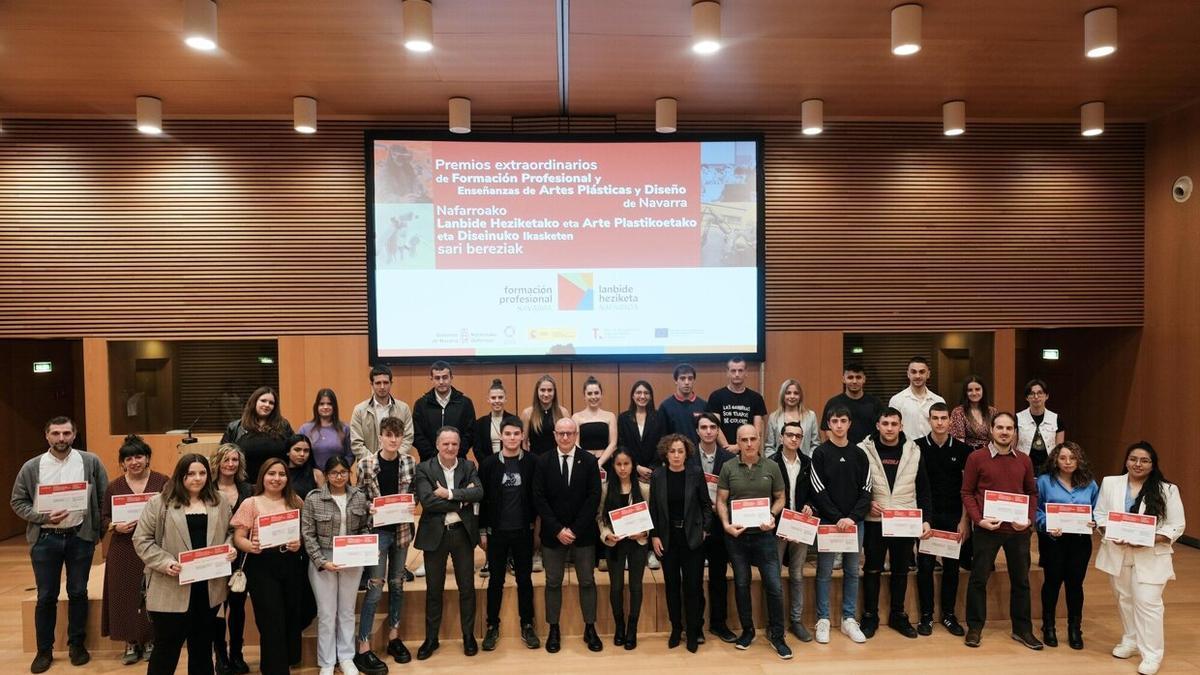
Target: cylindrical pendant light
{"points": [[954, 118], [200, 24], [1091, 118], [460, 115], [665, 114], [149, 115], [906, 30], [1100, 32], [418, 25], [706, 26], [812, 116], [304, 114]]}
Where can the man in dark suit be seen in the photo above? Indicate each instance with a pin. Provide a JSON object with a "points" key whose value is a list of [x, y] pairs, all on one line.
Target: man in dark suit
{"points": [[709, 458], [566, 494], [448, 489]]}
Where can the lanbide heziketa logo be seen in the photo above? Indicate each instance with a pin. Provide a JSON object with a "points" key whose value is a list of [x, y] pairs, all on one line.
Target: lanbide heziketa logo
{"points": [[575, 291]]}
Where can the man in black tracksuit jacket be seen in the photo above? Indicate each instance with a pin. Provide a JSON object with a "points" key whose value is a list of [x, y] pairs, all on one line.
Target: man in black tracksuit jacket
{"points": [[441, 406]]}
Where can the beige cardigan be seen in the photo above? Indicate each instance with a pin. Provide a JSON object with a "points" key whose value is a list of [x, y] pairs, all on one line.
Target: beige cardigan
{"points": [[160, 550]]}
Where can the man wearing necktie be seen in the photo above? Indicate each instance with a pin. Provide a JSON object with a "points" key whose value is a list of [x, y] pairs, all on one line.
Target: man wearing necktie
{"points": [[566, 495]]}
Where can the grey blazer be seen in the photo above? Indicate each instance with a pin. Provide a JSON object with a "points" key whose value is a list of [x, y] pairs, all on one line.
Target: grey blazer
{"points": [[468, 491], [159, 550]]}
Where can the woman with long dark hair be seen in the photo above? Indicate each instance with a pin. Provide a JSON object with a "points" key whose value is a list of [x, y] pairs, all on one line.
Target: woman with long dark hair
{"points": [[639, 429], [121, 615], [621, 489], [971, 419], [261, 430], [597, 426], [541, 416], [275, 575], [1066, 479], [1140, 573], [189, 514], [229, 465], [303, 474], [330, 436]]}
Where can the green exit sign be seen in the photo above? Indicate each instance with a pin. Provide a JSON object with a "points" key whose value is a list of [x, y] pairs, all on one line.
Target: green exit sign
{"points": [[42, 366]]}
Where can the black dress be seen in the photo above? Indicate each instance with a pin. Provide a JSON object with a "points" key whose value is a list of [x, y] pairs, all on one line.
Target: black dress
{"points": [[593, 436], [541, 442]]}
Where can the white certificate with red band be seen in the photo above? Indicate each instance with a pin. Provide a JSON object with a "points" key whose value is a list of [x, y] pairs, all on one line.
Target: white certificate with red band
{"points": [[1072, 518], [630, 520], [711, 481], [751, 512], [832, 540], [53, 497], [202, 564], [277, 529], [1007, 507], [902, 523], [941, 542], [356, 550], [1131, 528], [128, 508], [797, 527], [394, 509]]}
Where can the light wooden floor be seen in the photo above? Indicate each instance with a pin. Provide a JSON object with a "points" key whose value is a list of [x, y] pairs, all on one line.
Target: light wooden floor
{"points": [[887, 652]]}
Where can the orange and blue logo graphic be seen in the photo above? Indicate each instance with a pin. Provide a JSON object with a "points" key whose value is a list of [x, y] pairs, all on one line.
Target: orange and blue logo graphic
{"points": [[575, 291]]}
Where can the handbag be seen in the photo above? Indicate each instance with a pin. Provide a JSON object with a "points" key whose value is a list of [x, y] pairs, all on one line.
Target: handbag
{"points": [[237, 580]]}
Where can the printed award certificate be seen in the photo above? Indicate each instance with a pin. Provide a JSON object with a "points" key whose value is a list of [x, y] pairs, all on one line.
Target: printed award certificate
{"points": [[1006, 506], [357, 550], [630, 520], [278, 529], [202, 564], [1132, 528], [1072, 518], [832, 540], [393, 509], [795, 526], [941, 542], [53, 497], [902, 523], [711, 481], [128, 508], [750, 512]]}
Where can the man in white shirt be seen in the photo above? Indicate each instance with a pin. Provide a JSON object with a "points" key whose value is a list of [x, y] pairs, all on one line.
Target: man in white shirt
{"points": [[60, 537], [914, 401]]}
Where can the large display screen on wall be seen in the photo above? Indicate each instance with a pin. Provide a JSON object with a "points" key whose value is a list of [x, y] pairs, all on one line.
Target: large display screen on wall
{"points": [[515, 248]]}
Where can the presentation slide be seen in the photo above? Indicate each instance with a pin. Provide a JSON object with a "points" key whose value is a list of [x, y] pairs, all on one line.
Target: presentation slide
{"points": [[524, 249]]}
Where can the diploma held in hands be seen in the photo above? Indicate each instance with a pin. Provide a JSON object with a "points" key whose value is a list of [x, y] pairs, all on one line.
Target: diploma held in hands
{"points": [[630, 520], [902, 523], [795, 526], [1131, 528], [202, 564], [128, 508], [751, 512], [1006, 507], [711, 481], [1070, 518], [393, 509], [358, 550], [277, 529], [832, 540], [53, 497], [941, 542]]}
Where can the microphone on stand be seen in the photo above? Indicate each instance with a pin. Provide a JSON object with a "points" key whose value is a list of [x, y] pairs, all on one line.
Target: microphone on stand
{"points": [[189, 439]]}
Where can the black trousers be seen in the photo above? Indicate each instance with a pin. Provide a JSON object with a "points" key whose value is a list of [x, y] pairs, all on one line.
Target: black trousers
{"points": [[683, 574], [626, 555], [235, 616], [455, 543], [501, 545], [714, 551], [950, 569], [899, 551], [1016, 553], [173, 629], [1065, 562], [275, 581]]}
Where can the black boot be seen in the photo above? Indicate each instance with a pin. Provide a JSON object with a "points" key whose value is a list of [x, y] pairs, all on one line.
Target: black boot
{"points": [[1074, 634], [237, 664], [631, 633], [870, 610], [221, 656], [619, 630], [1049, 635]]}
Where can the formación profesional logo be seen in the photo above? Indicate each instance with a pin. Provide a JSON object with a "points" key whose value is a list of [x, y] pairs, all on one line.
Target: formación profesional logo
{"points": [[575, 292]]}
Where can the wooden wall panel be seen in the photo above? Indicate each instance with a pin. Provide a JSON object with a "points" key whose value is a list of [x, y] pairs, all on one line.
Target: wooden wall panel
{"points": [[812, 357], [247, 229]]}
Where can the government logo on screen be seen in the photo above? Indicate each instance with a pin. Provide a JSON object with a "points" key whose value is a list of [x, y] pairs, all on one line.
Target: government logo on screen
{"points": [[575, 292]]}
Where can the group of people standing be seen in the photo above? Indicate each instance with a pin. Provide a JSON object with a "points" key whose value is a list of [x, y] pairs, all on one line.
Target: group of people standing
{"points": [[545, 489]]}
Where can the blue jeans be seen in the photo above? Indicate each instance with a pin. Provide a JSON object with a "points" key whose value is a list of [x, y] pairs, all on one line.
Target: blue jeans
{"points": [[758, 549], [50, 554], [849, 580], [391, 563]]}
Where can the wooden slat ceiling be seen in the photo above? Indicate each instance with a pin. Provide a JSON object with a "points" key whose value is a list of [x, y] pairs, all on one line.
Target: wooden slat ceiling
{"points": [[1010, 59]]}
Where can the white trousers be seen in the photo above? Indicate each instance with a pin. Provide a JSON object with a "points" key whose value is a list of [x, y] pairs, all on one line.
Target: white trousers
{"points": [[1141, 609], [336, 593]]}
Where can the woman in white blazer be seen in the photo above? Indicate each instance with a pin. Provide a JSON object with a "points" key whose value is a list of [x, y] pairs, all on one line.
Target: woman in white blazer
{"points": [[1140, 573]]}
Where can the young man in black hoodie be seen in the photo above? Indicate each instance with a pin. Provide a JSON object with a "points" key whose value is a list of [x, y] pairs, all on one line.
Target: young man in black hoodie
{"points": [[841, 482], [442, 406], [898, 481]]}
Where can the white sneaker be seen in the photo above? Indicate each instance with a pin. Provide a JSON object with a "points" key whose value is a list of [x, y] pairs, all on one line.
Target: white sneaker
{"points": [[1124, 650], [1147, 668], [822, 631], [348, 667], [326, 670], [652, 562], [537, 563], [837, 562], [851, 630], [420, 571]]}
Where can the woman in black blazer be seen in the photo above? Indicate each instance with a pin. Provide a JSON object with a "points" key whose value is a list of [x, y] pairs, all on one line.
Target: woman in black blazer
{"points": [[682, 513], [639, 429]]}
